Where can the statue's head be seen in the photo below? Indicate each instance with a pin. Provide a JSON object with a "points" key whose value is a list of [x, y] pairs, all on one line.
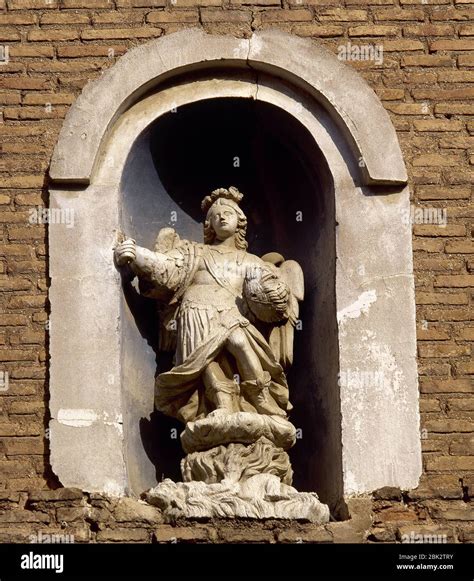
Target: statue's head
{"points": [[224, 217]]}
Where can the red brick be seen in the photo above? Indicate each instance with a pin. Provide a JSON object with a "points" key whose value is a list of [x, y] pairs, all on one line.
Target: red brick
{"points": [[402, 45], [466, 60], [210, 15], [424, 30], [428, 245], [467, 333], [342, 15], [164, 16], [456, 76], [428, 298], [17, 19], [89, 50], [443, 350], [442, 193], [452, 281], [17, 355], [95, 4], [371, 30], [318, 30], [452, 94], [125, 535], [446, 426], [12, 320], [450, 314], [125, 17], [425, 60], [140, 3], [398, 14], [52, 35], [448, 463], [25, 83], [407, 108], [456, 142], [434, 159], [64, 18], [296, 15], [44, 99], [120, 33], [28, 51], [438, 264], [455, 108], [439, 230], [24, 446], [32, 4], [451, 14], [453, 45]]}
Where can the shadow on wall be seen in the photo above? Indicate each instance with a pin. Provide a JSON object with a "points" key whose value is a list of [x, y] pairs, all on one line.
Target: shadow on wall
{"points": [[289, 202]]}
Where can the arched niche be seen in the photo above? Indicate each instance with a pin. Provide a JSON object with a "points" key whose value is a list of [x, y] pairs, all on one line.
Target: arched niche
{"points": [[119, 165]]}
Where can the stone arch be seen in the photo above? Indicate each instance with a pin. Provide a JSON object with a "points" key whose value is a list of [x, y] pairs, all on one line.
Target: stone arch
{"points": [[337, 87], [373, 291]]}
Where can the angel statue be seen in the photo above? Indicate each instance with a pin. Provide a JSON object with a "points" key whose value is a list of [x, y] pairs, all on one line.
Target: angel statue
{"points": [[229, 318]]}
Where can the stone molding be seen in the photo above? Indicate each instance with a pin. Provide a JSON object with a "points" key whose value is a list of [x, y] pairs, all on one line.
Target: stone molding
{"points": [[305, 64]]}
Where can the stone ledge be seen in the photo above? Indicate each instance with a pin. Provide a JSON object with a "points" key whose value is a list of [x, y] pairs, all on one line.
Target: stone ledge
{"points": [[96, 518]]}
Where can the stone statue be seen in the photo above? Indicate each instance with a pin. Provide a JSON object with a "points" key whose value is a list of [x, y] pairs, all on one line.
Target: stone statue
{"points": [[229, 318]]}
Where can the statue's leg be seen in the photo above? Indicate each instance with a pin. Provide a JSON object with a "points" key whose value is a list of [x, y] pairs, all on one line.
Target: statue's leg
{"points": [[247, 360], [220, 390], [256, 381]]}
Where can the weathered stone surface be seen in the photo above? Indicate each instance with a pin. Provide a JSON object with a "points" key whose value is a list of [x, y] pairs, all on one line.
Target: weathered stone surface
{"points": [[455, 510], [237, 462], [388, 493], [425, 533], [128, 535], [316, 535], [135, 70], [238, 427], [21, 516], [260, 496], [169, 534], [354, 483], [58, 495], [383, 535], [437, 486], [132, 510]]}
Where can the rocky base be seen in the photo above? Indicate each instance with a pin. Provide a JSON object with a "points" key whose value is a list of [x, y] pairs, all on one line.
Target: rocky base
{"points": [[261, 496]]}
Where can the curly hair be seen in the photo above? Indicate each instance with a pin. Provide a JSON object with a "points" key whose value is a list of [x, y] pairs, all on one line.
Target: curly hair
{"points": [[229, 197]]}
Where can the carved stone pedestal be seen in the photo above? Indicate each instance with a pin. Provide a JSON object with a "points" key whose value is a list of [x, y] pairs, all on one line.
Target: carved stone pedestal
{"points": [[248, 479]]}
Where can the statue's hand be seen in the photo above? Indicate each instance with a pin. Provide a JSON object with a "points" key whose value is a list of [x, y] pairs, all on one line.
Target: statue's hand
{"points": [[126, 252]]}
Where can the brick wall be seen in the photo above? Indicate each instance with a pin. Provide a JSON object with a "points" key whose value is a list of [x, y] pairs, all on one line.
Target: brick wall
{"points": [[426, 84]]}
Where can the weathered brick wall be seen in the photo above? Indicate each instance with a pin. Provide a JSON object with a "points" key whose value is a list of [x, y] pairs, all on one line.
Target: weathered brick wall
{"points": [[425, 82]]}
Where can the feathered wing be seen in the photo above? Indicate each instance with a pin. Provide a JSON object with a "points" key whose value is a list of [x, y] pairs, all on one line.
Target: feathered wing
{"points": [[166, 240], [282, 336]]}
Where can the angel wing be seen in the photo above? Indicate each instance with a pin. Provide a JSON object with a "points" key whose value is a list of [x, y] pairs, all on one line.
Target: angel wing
{"points": [[166, 240], [282, 336]]}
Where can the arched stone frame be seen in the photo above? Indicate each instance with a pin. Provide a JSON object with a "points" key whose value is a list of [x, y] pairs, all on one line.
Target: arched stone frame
{"points": [[374, 290]]}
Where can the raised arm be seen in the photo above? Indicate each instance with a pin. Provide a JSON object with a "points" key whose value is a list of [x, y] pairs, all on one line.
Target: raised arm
{"points": [[143, 262], [157, 271]]}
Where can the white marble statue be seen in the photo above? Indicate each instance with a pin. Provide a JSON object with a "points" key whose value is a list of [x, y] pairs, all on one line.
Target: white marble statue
{"points": [[229, 318]]}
